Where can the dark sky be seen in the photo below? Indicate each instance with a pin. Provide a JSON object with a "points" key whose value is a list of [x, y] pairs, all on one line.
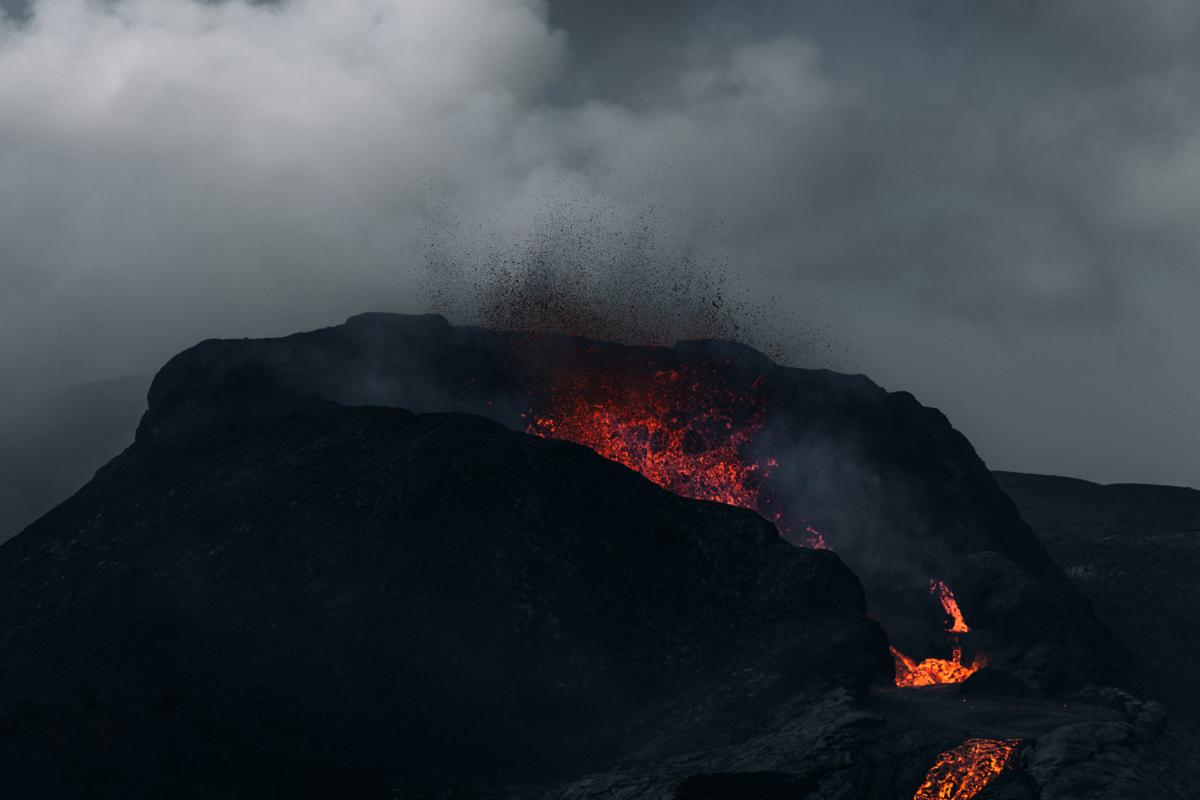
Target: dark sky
{"points": [[995, 205]]}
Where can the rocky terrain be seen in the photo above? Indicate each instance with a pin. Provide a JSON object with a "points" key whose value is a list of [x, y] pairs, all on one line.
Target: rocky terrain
{"points": [[898, 493], [1135, 551], [362, 597], [333, 565]]}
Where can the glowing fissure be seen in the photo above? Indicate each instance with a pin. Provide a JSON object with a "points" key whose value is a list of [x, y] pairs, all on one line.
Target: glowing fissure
{"points": [[687, 430], [964, 771], [684, 428], [937, 671]]}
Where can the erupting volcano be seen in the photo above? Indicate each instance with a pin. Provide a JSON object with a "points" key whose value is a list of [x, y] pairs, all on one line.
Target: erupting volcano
{"points": [[684, 428], [964, 771], [935, 671], [688, 430], [610, 631]]}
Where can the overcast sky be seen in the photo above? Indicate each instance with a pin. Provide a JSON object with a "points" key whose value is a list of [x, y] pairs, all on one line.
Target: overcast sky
{"points": [[993, 204]]}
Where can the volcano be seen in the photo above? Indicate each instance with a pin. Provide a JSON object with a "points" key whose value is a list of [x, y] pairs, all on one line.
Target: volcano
{"points": [[832, 459], [338, 564], [363, 597]]}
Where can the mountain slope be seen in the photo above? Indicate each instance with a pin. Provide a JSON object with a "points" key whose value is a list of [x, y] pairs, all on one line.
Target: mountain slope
{"points": [[895, 489], [273, 596], [1135, 551]]}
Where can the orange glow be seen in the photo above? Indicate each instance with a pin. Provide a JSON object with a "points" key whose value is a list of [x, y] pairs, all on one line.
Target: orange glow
{"points": [[937, 671], [946, 597], [685, 429], [688, 431], [963, 772], [934, 671], [678, 429], [815, 539]]}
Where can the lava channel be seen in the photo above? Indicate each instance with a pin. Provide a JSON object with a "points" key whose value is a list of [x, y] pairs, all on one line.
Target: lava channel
{"points": [[964, 771]]}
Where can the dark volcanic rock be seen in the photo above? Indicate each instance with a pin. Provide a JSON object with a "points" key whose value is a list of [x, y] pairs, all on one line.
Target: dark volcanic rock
{"points": [[1135, 551], [745, 786], [285, 588], [273, 596], [1138, 756], [898, 493], [993, 681]]}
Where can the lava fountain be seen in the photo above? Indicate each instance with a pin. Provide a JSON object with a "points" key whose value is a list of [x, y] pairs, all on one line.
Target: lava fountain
{"points": [[936, 671], [964, 771]]}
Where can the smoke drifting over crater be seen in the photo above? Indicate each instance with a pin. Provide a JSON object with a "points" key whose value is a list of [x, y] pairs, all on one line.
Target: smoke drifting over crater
{"points": [[991, 205]]}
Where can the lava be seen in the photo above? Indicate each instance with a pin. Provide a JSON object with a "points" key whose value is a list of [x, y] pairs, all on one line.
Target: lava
{"points": [[681, 429], [689, 431], [814, 538], [685, 428], [936, 671], [964, 771], [950, 605], [933, 671]]}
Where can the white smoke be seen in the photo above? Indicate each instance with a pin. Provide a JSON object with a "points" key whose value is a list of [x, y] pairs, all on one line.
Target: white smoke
{"points": [[176, 169]]}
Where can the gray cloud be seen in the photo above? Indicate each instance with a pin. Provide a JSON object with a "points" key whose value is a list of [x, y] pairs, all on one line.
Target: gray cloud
{"points": [[996, 204]]}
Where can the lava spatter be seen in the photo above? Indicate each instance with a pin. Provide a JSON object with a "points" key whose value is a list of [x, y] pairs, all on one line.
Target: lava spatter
{"points": [[683, 428], [937, 671]]}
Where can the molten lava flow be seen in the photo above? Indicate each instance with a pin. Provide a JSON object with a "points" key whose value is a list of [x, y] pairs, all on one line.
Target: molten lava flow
{"points": [[685, 429], [946, 598], [935, 671], [963, 772], [682, 428]]}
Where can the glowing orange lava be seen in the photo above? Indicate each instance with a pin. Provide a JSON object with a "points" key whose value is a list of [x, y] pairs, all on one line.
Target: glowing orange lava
{"points": [[963, 772], [933, 671], [684, 428], [950, 605], [936, 671]]}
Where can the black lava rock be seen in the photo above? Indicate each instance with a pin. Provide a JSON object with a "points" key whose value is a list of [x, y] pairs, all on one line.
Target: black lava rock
{"points": [[895, 489], [746, 786], [270, 595], [993, 681]]}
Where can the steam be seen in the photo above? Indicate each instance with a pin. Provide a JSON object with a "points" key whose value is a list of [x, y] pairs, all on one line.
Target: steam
{"points": [[787, 175], [198, 169]]}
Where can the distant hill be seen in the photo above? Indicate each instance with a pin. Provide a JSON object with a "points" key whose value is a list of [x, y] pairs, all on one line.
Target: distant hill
{"points": [[1134, 550]]}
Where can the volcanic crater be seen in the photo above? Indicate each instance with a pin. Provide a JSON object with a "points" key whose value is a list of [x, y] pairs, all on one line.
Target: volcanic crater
{"points": [[338, 564]]}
